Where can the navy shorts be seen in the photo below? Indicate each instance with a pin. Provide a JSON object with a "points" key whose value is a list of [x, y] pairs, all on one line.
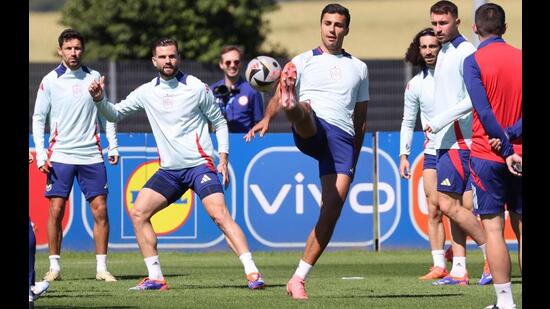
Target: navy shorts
{"points": [[429, 162], [494, 187], [172, 184], [331, 146], [453, 171], [92, 179]]}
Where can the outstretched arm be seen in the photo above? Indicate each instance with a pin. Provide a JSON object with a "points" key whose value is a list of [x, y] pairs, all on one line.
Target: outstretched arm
{"points": [[360, 125], [273, 107], [110, 111]]}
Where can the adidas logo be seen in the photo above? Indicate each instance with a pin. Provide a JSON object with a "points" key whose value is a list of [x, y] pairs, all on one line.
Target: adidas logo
{"points": [[446, 182], [156, 263], [502, 292], [205, 178]]}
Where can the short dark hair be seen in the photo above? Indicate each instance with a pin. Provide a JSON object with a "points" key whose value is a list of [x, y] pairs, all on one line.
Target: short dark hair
{"points": [[445, 7], [338, 9], [490, 19], [413, 52], [163, 42], [69, 34], [228, 48]]}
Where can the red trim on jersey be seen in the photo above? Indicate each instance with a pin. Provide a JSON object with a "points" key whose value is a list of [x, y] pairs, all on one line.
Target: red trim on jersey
{"points": [[209, 162], [476, 179], [457, 163], [50, 147], [98, 141], [426, 139], [459, 137]]}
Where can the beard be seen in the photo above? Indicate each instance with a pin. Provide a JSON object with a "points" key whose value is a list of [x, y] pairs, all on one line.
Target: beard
{"points": [[168, 72]]}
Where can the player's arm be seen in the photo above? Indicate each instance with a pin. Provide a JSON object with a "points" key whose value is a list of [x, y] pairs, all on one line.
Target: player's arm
{"points": [[213, 113], [410, 110], [474, 85], [360, 127], [273, 107], [115, 112], [42, 108], [110, 132], [515, 131]]}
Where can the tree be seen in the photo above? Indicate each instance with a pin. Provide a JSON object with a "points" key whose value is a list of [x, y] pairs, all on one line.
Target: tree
{"points": [[125, 29]]}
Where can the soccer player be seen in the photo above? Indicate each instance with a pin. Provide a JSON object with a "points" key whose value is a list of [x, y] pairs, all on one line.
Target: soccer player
{"points": [[74, 148], [452, 125], [493, 77], [241, 105], [423, 52], [36, 289], [179, 107], [324, 94]]}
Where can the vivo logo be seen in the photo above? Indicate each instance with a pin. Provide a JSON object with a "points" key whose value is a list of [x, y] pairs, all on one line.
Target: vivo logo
{"points": [[289, 198]]}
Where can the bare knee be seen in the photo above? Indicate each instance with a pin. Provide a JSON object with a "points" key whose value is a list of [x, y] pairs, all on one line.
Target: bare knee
{"points": [[138, 215]]}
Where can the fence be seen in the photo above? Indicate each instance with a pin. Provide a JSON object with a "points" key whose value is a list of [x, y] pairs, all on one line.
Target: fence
{"points": [[387, 81]]}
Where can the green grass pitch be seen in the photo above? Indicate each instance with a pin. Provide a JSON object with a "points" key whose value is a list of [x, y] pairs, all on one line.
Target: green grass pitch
{"points": [[216, 280]]}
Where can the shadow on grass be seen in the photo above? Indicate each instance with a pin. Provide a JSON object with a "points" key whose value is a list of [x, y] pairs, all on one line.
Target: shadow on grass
{"points": [[127, 277], [77, 307]]}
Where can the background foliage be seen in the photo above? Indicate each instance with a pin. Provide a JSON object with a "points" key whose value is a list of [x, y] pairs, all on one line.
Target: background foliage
{"points": [[117, 29]]}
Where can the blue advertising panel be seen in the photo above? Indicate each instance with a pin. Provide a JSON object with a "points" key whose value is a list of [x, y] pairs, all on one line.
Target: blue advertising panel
{"points": [[274, 195]]}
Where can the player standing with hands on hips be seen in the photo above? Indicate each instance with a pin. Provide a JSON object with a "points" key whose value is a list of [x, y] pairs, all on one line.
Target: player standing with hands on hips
{"points": [[179, 107], [324, 94]]}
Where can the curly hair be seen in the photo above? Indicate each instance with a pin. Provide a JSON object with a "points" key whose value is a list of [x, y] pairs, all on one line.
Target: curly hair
{"points": [[413, 52]]}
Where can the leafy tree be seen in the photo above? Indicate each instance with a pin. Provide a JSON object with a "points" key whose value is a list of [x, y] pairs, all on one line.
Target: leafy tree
{"points": [[125, 29]]}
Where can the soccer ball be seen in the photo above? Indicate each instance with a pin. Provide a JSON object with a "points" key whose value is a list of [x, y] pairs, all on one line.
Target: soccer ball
{"points": [[262, 73]]}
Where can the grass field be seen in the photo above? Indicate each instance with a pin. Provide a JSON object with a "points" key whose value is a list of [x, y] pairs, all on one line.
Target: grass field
{"points": [[380, 29], [216, 280]]}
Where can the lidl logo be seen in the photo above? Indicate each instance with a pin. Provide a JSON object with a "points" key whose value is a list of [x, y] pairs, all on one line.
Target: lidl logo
{"points": [[418, 208], [170, 218]]}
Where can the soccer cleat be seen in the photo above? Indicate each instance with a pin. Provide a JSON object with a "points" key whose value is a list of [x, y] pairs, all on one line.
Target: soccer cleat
{"points": [[296, 288], [287, 83], [486, 277], [150, 284], [450, 280], [255, 281], [38, 289], [435, 272], [449, 254], [52, 275], [105, 275]]}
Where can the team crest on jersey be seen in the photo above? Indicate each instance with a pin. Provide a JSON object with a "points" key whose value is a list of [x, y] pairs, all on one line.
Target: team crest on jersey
{"points": [[243, 100], [168, 102], [77, 91], [335, 73]]}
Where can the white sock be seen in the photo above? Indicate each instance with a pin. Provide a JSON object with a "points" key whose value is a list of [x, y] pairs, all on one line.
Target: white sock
{"points": [[248, 263], [439, 258], [54, 262], [303, 269], [459, 266], [484, 250], [505, 298], [101, 262], [153, 267]]}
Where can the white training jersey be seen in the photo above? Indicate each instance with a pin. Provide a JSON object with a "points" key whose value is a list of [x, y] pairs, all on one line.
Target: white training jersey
{"points": [[178, 110], [74, 122], [453, 121], [333, 84], [419, 94]]}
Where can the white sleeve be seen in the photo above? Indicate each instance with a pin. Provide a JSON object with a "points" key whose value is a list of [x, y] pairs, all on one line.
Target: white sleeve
{"points": [[41, 111], [110, 133], [116, 112], [457, 111], [410, 110], [363, 94], [213, 113]]}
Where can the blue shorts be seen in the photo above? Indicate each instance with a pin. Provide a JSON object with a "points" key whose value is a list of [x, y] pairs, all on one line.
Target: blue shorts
{"points": [[429, 162], [494, 186], [331, 146], [453, 171], [172, 184], [92, 179]]}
